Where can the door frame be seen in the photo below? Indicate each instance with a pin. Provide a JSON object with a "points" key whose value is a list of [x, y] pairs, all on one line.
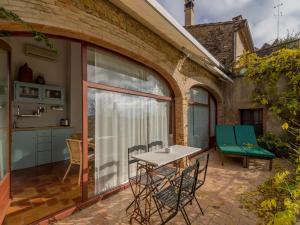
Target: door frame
{"points": [[5, 183]]}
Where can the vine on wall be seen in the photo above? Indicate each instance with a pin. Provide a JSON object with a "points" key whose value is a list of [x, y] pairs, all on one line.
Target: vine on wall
{"points": [[38, 36]]}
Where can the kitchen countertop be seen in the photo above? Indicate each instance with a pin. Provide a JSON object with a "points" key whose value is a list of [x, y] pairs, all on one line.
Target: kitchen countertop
{"points": [[40, 128]]}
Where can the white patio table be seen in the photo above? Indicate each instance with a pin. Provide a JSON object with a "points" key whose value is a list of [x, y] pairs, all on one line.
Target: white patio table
{"points": [[153, 160]]}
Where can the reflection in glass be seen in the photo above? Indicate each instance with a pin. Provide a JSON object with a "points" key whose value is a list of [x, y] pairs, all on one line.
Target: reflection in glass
{"points": [[107, 68]]}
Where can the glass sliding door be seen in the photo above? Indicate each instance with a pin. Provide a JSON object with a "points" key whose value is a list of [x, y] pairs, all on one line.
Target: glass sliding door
{"points": [[122, 121], [4, 129], [128, 105], [201, 118]]}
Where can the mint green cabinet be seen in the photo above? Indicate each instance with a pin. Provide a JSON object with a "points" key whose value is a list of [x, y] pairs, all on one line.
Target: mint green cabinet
{"points": [[53, 95], [27, 92], [39, 147], [38, 93], [23, 149], [59, 146]]}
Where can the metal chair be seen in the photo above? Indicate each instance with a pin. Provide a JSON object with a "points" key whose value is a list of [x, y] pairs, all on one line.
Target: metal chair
{"points": [[202, 160], [165, 171], [139, 179], [175, 198]]}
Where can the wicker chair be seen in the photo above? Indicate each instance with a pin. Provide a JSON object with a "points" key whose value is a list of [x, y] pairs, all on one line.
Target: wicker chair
{"points": [[75, 151]]}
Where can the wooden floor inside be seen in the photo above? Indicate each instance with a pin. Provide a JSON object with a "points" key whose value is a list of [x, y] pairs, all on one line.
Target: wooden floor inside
{"points": [[39, 191]]}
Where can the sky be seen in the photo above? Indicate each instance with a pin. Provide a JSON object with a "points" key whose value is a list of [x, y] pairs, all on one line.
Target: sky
{"points": [[259, 13]]}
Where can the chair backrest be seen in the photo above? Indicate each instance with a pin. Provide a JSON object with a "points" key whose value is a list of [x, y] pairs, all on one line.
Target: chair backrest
{"points": [[75, 150], [190, 171], [76, 136], [225, 135], [137, 149], [203, 165], [245, 135], [155, 144]]}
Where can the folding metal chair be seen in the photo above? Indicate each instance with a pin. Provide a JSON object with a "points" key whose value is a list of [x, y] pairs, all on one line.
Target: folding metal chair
{"points": [[202, 160], [139, 180], [175, 198], [165, 171]]}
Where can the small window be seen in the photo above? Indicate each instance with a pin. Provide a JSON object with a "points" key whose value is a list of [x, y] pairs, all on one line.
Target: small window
{"points": [[253, 117]]}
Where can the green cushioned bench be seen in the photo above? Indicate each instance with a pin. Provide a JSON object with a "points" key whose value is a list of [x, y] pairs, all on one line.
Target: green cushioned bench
{"points": [[226, 143], [245, 137]]}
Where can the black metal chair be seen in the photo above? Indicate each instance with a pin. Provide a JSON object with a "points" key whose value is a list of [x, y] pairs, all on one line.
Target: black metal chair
{"points": [[165, 171], [175, 198], [202, 160], [139, 179]]}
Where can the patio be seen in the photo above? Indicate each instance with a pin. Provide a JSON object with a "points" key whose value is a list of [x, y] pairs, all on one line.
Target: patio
{"points": [[219, 198]]}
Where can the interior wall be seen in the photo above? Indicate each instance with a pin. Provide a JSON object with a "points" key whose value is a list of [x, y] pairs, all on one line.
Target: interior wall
{"points": [[75, 87], [56, 72]]}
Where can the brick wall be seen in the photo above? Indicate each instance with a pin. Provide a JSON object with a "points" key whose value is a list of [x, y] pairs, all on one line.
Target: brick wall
{"points": [[101, 23]]}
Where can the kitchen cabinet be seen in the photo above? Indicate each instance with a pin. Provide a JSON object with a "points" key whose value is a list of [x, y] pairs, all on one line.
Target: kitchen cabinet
{"points": [[39, 93], [27, 92], [39, 147], [23, 149], [53, 95], [59, 146], [44, 147]]}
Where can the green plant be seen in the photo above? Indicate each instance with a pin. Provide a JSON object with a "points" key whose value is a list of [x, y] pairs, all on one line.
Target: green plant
{"points": [[276, 78], [274, 143], [38, 36]]}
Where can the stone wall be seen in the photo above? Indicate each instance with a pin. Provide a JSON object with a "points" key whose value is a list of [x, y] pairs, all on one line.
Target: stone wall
{"points": [[218, 38], [238, 96], [101, 23]]}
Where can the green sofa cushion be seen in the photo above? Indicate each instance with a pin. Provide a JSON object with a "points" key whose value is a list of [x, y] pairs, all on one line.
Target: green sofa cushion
{"points": [[232, 149], [225, 135], [245, 135], [257, 151]]}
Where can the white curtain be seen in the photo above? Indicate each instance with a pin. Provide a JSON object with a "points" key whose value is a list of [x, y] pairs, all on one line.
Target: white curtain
{"points": [[158, 121], [123, 121]]}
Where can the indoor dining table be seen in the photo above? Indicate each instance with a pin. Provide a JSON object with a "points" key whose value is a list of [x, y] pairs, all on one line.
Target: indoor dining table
{"points": [[155, 159]]}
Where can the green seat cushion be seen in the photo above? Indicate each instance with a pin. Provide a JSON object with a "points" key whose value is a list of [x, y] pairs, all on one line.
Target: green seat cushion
{"points": [[225, 135], [232, 149], [245, 135], [257, 151]]}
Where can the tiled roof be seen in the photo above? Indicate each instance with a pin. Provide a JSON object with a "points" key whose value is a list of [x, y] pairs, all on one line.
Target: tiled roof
{"points": [[218, 38]]}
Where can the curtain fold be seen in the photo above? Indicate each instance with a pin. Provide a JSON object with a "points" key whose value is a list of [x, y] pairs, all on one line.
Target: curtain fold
{"points": [[123, 121]]}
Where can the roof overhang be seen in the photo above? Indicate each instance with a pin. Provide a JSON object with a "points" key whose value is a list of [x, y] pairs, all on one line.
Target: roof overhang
{"points": [[151, 14]]}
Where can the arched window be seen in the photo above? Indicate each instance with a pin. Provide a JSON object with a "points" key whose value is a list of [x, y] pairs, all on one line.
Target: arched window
{"points": [[201, 118], [128, 105]]}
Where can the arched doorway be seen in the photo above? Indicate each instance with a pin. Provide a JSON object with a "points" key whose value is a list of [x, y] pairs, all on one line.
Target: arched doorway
{"points": [[202, 117]]}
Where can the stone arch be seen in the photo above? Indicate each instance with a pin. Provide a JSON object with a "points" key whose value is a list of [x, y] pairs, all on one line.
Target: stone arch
{"points": [[213, 91], [58, 32]]}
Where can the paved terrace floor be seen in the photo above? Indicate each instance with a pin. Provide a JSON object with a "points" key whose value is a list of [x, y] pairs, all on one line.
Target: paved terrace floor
{"points": [[219, 198]]}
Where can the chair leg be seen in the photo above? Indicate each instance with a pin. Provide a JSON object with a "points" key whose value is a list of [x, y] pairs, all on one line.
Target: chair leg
{"points": [[245, 161], [186, 218], [222, 155], [158, 209], [68, 170], [271, 164], [199, 206]]}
